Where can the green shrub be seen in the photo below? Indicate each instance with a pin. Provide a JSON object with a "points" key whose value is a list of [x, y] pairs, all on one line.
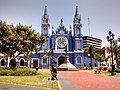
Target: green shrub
{"points": [[116, 70], [110, 70], [25, 72], [1, 69], [17, 72]]}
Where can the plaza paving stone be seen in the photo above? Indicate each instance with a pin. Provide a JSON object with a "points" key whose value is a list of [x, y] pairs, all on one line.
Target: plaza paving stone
{"points": [[86, 81]]}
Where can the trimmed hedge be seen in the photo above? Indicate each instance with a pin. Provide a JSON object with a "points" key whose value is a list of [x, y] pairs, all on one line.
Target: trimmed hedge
{"points": [[116, 70], [17, 72]]}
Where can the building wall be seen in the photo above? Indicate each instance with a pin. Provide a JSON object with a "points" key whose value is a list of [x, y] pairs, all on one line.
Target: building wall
{"points": [[89, 40]]}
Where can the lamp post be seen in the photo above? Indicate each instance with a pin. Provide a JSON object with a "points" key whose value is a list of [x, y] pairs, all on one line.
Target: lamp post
{"points": [[67, 57], [66, 50], [110, 39]]}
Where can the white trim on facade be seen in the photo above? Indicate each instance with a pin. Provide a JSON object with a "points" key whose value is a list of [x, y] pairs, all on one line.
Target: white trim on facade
{"points": [[20, 60], [75, 51], [1, 59], [78, 51]]}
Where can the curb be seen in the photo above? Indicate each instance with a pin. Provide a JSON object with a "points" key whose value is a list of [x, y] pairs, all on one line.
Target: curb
{"points": [[59, 85], [58, 82]]}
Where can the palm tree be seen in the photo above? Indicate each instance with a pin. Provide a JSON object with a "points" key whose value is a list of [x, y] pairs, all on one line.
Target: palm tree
{"points": [[100, 55], [42, 41], [116, 51], [100, 58], [89, 52], [48, 55]]}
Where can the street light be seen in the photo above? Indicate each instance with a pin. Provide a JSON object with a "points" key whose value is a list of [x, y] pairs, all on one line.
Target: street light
{"points": [[66, 50], [110, 39]]}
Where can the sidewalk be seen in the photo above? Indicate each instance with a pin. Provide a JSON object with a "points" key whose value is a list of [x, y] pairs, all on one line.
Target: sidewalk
{"points": [[18, 87], [65, 84], [76, 80]]}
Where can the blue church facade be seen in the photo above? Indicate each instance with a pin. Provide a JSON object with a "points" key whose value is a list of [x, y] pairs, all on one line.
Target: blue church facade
{"points": [[64, 42]]}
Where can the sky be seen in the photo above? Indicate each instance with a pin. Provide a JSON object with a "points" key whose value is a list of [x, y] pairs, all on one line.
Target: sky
{"points": [[104, 15]]}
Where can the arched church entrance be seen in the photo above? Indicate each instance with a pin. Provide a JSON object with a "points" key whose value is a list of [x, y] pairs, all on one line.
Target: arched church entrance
{"points": [[21, 62], [2, 62], [35, 63], [61, 60]]}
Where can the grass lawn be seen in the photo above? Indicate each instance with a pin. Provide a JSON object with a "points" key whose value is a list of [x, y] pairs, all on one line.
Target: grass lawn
{"points": [[106, 73], [30, 80]]}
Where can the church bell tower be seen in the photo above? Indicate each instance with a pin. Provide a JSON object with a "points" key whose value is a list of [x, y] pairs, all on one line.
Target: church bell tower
{"points": [[45, 24], [76, 23], [78, 41]]}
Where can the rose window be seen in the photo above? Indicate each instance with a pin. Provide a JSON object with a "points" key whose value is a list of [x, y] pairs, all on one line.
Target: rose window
{"points": [[61, 41]]}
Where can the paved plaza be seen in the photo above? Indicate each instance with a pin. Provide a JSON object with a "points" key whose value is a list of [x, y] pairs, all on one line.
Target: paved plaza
{"points": [[77, 80]]}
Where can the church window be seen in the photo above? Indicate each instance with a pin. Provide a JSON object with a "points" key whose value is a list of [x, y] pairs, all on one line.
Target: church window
{"points": [[35, 62], [89, 64], [84, 64], [79, 60], [46, 20], [45, 61], [77, 45], [77, 31], [95, 65], [61, 42], [2, 62], [21, 62]]}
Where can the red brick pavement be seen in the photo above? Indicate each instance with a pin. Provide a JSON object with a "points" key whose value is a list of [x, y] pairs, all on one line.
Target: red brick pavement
{"points": [[86, 81]]}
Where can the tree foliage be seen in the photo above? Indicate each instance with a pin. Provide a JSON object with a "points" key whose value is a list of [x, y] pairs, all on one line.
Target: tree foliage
{"points": [[100, 54], [90, 52], [42, 39], [116, 51], [48, 55], [20, 39]]}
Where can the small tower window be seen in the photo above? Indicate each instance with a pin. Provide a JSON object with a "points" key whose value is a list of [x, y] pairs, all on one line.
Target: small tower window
{"points": [[46, 20], [77, 44]]}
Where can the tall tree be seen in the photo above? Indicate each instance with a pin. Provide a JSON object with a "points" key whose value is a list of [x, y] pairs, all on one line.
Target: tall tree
{"points": [[15, 40], [48, 55], [5, 38], [100, 55], [116, 51], [42, 41], [89, 52]]}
